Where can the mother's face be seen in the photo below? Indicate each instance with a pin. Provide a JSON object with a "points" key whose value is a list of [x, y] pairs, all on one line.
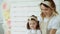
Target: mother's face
{"points": [[46, 10]]}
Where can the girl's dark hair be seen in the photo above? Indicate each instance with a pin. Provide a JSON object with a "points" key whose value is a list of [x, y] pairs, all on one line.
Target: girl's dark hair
{"points": [[37, 27]]}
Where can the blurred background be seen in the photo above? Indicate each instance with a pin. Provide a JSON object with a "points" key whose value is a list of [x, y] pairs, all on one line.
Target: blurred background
{"points": [[14, 14]]}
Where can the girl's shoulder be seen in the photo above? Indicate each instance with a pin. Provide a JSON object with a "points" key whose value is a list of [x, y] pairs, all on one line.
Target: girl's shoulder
{"points": [[28, 31], [38, 31], [34, 31]]}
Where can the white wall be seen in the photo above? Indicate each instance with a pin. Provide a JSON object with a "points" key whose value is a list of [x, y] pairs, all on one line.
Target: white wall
{"points": [[57, 2], [20, 11]]}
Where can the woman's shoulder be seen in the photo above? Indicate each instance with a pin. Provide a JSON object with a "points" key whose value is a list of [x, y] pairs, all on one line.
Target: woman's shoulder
{"points": [[54, 23], [56, 18]]}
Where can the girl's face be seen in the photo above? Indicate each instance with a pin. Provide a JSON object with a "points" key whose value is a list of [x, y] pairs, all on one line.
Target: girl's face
{"points": [[45, 10], [32, 24]]}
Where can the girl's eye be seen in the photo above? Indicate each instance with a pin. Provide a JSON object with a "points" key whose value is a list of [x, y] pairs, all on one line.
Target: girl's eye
{"points": [[32, 23]]}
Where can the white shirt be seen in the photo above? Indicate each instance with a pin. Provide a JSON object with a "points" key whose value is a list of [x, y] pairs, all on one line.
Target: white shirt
{"points": [[33, 31], [54, 23]]}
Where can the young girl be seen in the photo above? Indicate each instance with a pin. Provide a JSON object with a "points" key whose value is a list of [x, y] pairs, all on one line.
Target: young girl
{"points": [[33, 25]]}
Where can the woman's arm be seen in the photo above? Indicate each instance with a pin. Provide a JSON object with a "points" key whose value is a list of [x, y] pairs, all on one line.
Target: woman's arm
{"points": [[53, 31]]}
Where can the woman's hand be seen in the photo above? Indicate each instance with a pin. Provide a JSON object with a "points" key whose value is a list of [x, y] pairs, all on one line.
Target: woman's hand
{"points": [[53, 31]]}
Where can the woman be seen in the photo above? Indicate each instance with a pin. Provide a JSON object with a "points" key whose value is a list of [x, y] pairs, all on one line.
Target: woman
{"points": [[49, 20]]}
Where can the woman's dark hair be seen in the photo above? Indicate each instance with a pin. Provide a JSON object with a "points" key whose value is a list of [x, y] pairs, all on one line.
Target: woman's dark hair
{"points": [[52, 5], [45, 5], [37, 27]]}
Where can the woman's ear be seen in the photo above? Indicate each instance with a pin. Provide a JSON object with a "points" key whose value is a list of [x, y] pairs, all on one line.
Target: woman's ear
{"points": [[52, 9]]}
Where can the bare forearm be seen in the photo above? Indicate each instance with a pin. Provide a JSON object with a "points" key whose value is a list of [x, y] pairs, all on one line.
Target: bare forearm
{"points": [[53, 31]]}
